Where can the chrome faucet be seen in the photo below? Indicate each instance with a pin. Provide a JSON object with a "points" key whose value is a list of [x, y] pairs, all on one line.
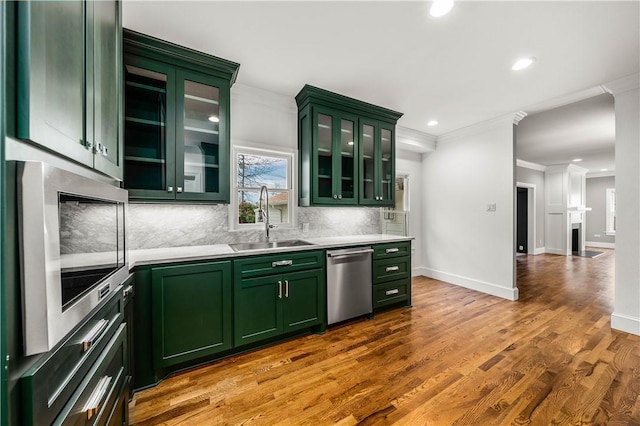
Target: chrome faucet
{"points": [[261, 213]]}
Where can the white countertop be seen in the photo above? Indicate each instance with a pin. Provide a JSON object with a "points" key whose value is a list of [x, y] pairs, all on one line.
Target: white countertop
{"points": [[216, 251]]}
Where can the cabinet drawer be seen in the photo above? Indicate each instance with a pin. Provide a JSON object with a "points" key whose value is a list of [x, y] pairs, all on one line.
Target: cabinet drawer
{"points": [[93, 402], [277, 263], [391, 269], [384, 251], [48, 385], [392, 292]]}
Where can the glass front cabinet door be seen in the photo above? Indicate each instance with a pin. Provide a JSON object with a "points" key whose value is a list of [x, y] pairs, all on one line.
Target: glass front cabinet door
{"points": [[346, 149], [335, 159], [176, 123], [377, 163]]}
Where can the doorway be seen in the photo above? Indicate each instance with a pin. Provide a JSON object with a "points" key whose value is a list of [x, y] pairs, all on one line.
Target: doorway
{"points": [[522, 221]]}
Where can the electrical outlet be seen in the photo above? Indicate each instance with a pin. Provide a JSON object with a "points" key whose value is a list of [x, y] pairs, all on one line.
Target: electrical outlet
{"points": [[520, 248], [305, 227], [491, 207], [596, 235]]}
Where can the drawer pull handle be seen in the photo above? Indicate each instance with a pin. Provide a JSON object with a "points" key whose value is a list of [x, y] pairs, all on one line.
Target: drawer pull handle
{"points": [[392, 268], [393, 250], [92, 405], [286, 288], [281, 263], [127, 292], [279, 289], [390, 292], [94, 334]]}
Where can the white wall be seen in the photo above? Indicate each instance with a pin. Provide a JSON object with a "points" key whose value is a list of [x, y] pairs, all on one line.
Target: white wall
{"points": [[626, 315], [463, 243], [597, 217]]}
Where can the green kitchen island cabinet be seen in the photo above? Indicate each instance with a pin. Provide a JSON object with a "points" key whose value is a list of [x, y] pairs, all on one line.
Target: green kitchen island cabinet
{"points": [[190, 312], [68, 80], [347, 150], [278, 294], [176, 122]]}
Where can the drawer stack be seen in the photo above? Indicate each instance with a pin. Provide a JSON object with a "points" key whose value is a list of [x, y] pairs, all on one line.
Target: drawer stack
{"points": [[391, 274]]}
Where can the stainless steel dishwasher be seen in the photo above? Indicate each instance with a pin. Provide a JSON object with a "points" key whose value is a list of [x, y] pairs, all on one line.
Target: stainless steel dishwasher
{"points": [[349, 288]]}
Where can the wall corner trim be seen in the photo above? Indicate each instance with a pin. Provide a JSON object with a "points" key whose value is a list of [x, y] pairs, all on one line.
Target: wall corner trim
{"points": [[625, 323], [473, 284]]}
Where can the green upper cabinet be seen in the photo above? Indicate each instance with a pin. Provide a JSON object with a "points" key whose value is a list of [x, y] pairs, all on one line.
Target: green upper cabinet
{"points": [[69, 74], [176, 122], [347, 150]]}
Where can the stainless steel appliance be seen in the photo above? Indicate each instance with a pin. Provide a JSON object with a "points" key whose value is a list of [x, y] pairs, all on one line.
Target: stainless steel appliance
{"points": [[72, 236], [349, 288]]}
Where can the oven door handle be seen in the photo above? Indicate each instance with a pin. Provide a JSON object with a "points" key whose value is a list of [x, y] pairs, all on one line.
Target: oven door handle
{"points": [[94, 334]]}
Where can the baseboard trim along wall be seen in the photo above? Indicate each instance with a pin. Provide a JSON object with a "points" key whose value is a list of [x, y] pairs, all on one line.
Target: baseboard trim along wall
{"points": [[539, 250], [470, 283], [625, 323], [600, 245]]}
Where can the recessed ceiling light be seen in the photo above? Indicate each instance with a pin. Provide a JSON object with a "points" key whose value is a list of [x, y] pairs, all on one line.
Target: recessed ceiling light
{"points": [[440, 8], [214, 119], [432, 123], [577, 160], [522, 63], [604, 170]]}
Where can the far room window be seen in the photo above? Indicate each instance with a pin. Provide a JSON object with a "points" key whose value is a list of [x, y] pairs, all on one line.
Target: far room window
{"points": [[611, 212], [254, 169]]}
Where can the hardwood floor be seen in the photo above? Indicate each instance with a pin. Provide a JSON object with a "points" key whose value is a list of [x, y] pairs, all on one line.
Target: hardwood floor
{"points": [[458, 357]]}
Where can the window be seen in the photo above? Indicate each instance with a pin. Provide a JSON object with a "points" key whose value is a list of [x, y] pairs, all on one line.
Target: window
{"points": [[611, 212], [255, 168]]}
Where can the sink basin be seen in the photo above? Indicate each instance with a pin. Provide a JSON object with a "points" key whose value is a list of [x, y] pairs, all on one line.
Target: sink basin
{"points": [[268, 245]]}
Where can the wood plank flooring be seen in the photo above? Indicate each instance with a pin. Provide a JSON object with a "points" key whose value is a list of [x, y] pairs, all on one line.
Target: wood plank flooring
{"points": [[458, 357]]}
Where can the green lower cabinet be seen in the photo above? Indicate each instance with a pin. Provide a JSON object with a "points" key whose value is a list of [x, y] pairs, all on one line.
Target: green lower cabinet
{"points": [[191, 312], [266, 307]]}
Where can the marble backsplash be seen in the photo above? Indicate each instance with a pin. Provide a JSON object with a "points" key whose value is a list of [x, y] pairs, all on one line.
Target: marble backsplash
{"points": [[168, 225]]}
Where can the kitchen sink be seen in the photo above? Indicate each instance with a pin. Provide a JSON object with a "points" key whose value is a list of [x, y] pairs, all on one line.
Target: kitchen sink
{"points": [[268, 245]]}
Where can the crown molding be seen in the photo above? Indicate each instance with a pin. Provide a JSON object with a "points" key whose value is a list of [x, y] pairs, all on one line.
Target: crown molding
{"points": [[532, 166], [569, 168], [623, 84], [570, 98], [414, 140], [609, 173], [474, 129], [264, 98], [519, 116]]}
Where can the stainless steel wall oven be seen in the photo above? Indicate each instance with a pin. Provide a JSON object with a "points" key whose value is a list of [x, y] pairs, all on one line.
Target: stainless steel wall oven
{"points": [[73, 255]]}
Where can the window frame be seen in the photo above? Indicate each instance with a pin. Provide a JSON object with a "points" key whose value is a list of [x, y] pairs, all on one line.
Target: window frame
{"points": [[291, 158], [610, 212]]}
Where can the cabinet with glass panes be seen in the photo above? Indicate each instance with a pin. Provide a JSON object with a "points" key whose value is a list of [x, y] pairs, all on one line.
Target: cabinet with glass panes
{"points": [[347, 150], [176, 127]]}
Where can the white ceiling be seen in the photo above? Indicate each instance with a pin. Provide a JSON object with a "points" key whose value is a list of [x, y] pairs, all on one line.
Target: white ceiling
{"points": [[455, 69], [582, 130]]}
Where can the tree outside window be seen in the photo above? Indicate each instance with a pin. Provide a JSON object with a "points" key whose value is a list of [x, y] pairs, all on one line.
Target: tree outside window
{"points": [[255, 170]]}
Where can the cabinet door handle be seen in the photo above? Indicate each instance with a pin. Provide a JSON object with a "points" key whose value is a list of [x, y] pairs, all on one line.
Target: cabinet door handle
{"points": [[170, 189], [393, 250], [281, 263], [390, 292], [286, 288], [392, 268], [340, 197], [279, 289], [179, 189], [92, 405], [335, 197], [94, 334]]}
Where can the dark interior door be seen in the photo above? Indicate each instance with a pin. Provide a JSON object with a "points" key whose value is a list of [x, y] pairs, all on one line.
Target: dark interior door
{"points": [[522, 221]]}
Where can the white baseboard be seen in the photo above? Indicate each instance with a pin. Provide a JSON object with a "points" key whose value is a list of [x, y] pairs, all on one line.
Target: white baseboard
{"points": [[625, 323], [539, 250], [556, 251], [470, 283], [418, 271], [600, 245]]}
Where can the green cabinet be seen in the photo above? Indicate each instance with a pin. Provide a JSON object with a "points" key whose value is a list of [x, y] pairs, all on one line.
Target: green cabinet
{"points": [[347, 150], [391, 274], [190, 312], [69, 78], [177, 122], [286, 295]]}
